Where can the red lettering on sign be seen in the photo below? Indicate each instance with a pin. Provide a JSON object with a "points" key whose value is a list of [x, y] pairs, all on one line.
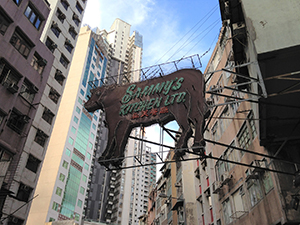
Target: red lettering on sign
{"points": [[135, 116], [163, 110], [144, 113], [154, 112]]}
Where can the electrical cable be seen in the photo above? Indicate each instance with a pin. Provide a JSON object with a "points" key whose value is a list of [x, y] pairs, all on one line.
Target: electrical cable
{"points": [[208, 15]]}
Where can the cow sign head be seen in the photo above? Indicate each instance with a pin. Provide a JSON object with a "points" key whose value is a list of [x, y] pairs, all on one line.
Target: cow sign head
{"points": [[178, 96]]}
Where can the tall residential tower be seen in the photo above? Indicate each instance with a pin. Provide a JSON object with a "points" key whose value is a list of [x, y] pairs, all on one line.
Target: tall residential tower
{"points": [[63, 181]]}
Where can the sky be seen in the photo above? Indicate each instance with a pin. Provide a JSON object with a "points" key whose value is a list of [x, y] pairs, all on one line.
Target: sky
{"points": [[171, 29]]}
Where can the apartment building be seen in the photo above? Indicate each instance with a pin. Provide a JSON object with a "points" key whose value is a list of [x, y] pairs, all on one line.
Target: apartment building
{"points": [[25, 64], [240, 182], [64, 179]]}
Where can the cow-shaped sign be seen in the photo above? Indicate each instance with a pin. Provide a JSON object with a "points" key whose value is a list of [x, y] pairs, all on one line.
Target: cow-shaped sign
{"points": [[178, 96]]}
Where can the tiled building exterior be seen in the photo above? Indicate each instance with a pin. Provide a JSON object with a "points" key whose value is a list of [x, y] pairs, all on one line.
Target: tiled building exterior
{"points": [[64, 179]]}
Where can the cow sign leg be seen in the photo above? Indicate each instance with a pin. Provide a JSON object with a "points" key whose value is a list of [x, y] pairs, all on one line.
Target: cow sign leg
{"points": [[121, 141]]}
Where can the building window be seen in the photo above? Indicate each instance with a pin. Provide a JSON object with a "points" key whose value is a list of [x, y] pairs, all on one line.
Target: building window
{"points": [[79, 8], [60, 15], [252, 125], [62, 177], [38, 63], [244, 137], [214, 131], [79, 203], [65, 164], [255, 191], [48, 115], [51, 219], [238, 199], [28, 90], [65, 4], [40, 138], [58, 191], [33, 163], [59, 77], [33, 16], [50, 44], [4, 21], [76, 19], [54, 95], [227, 212], [21, 43], [55, 206], [17, 121], [68, 45], [12, 220], [72, 32], [8, 76], [55, 29], [18, 2], [24, 192], [64, 61], [4, 156]]}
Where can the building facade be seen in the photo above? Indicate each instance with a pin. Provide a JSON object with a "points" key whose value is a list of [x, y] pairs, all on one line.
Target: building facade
{"points": [[64, 177], [56, 25], [25, 64], [249, 173]]}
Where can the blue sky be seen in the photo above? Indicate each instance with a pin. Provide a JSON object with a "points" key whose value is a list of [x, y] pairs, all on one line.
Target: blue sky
{"points": [[164, 25], [171, 29]]}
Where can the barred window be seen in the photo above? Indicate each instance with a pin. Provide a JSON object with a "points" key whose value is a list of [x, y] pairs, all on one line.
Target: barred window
{"points": [[55, 29], [24, 192], [244, 137], [60, 15], [33, 163], [50, 44], [48, 115], [28, 90], [54, 95], [64, 61], [38, 63], [17, 121], [21, 43], [40, 138], [72, 32]]}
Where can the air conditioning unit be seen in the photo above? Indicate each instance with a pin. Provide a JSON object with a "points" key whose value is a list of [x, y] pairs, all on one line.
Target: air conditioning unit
{"points": [[168, 201], [62, 16], [13, 88], [225, 177], [53, 46], [216, 187], [251, 174], [75, 17], [239, 29], [54, 25], [42, 62]]}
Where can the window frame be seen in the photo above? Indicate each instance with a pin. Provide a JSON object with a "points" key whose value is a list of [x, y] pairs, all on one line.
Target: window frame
{"points": [[34, 16], [21, 42]]}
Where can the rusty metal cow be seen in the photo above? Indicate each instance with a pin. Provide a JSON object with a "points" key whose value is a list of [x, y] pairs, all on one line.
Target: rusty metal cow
{"points": [[178, 96]]}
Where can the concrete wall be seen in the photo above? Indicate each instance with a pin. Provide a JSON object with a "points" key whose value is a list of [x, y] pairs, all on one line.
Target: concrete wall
{"points": [[271, 23]]}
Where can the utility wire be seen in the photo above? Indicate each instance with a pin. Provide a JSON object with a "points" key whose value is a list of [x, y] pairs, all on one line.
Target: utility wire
{"points": [[208, 14]]}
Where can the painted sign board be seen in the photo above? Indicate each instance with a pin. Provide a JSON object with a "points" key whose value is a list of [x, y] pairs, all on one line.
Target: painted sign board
{"points": [[178, 96]]}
